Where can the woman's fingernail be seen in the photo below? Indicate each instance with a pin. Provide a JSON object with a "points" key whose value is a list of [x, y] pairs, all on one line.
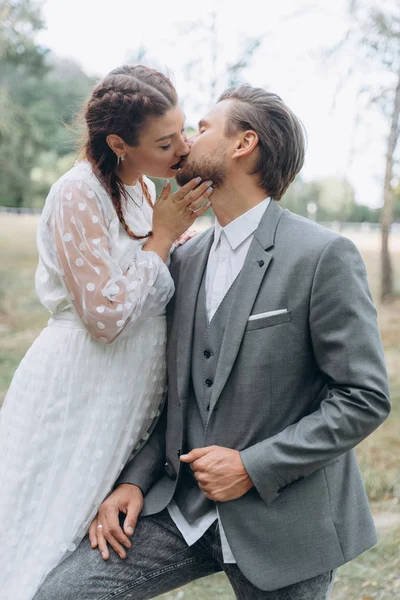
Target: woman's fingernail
{"points": [[208, 183], [166, 182], [104, 555], [129, 530], [198, 179], [209, 190]]}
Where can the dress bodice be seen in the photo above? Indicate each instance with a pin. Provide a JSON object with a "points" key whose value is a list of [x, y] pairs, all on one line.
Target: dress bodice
{"points": [[89, 265]]}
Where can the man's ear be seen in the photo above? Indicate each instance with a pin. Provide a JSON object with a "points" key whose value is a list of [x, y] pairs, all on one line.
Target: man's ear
{"points": [[246, 144], [116, 144]]}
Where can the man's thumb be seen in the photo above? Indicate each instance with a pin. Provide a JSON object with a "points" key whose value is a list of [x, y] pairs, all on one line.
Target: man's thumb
{"points": [[166, 190], [195, 454]]}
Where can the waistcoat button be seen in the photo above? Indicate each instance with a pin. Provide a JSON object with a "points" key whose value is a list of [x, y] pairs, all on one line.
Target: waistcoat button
{"points": [[209, 382], [207, 353]]}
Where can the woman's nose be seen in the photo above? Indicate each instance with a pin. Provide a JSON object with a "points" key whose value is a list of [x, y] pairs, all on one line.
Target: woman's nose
{"points": [[185, 147]]}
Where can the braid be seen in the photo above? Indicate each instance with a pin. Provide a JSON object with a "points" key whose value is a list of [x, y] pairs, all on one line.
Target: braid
{"points": [[121, 105], [117, 191], [146, 192]]}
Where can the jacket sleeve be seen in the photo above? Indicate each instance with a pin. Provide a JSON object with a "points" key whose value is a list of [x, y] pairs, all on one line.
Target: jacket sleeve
{"points": [[146, 467], [348, 351]]}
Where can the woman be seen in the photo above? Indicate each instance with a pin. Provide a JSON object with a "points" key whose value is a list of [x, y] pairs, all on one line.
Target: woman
{"points": [[87, 392]]}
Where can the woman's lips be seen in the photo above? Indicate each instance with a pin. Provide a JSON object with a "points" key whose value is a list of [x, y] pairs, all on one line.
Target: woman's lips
{"points": [[176, 166]]}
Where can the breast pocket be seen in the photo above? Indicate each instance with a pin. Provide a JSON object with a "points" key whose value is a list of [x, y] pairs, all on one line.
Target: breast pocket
{"points": [[268, 321]]}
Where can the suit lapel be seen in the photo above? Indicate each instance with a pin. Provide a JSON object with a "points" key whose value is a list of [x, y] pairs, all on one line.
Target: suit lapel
{"points": [[189, 283], [255, 267]]}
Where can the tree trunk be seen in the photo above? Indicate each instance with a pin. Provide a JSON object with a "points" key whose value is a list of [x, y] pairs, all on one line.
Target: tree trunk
{"points": [[387, 211]]}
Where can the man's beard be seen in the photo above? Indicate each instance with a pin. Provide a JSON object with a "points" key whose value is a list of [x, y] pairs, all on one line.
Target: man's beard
{"points": [[213, 169]]}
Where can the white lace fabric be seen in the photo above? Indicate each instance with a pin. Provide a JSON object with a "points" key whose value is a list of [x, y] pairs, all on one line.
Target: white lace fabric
{"points": [[87, 393], [105, 297]]}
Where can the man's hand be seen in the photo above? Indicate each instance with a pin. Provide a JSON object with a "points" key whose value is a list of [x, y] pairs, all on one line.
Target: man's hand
{"points": [[219, 472], [105, 527]]}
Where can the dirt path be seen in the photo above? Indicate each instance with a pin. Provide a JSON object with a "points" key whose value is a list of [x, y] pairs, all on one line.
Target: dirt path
{"points": [[387, 520]]}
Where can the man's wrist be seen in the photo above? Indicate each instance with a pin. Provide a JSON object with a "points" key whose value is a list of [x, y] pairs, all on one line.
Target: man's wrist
{"points": [[132, 485]]}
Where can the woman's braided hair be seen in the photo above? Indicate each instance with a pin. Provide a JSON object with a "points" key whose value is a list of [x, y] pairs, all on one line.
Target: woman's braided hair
{"points": [[121, 104]]}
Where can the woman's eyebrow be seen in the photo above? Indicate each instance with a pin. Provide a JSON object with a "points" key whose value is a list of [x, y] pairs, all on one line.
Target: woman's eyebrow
{"points": [[171, 135], [165, 137]]}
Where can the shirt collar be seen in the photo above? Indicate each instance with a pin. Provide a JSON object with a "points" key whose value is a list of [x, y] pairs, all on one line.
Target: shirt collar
{"points": [[238, 230]]}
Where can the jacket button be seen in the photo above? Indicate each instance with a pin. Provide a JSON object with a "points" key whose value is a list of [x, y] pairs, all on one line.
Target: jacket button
{"points": [[209, 382], [207, 353]]}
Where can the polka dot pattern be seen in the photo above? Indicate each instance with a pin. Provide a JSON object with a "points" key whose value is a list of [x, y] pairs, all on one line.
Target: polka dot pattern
{"points": [[114, 289], [114, 317]]}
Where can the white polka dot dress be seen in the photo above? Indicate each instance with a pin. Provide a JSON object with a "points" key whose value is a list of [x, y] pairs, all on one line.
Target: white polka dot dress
{"points": [[91, 386]]}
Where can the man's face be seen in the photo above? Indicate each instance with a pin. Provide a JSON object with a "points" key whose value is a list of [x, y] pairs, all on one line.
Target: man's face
{"points": [[209, 154]]}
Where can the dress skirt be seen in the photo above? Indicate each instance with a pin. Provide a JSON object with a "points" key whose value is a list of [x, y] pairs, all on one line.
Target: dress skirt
{"points": [[76, 410]]}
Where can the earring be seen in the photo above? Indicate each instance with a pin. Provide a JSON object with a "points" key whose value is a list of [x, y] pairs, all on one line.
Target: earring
{"points": [[120, 158]]}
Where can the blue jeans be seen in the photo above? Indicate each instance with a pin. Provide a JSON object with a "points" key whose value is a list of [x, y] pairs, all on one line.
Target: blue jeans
{"points": [[160, 561]]}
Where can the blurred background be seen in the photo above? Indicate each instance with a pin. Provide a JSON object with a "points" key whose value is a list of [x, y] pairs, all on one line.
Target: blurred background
{"points": [[337, 65]]}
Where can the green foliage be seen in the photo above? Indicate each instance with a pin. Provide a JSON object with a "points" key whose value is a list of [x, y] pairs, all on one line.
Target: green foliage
{"points": [[39, 97], [331, 198], [20, 21], [396, 203]]}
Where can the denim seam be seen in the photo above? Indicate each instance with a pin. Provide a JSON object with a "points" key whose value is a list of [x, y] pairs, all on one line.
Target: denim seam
{"points": [[140, 580]]}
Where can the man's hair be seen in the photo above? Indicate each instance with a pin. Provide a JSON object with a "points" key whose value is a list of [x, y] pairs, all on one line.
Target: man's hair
{"points": [[281, 135]]}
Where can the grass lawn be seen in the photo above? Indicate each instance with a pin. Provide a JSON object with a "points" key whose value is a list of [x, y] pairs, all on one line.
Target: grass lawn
{"points": [[373, 576]]}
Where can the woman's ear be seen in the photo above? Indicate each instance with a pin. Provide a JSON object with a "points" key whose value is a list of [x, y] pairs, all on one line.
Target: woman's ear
{"points": [[116, 144], [247, 142]]}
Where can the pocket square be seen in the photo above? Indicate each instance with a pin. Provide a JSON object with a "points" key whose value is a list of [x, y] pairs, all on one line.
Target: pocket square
{"points": [[270, 313]]}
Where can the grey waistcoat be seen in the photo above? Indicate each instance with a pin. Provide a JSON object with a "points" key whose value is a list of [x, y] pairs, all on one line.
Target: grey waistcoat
{"points": [[207, 341]]}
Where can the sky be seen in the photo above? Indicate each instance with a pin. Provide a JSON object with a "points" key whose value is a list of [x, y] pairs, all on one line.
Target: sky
{"points": [[343, 141]]}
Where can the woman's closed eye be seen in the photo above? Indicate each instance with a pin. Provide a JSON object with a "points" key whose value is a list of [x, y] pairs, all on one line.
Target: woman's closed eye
{"points": [[166, 147]]}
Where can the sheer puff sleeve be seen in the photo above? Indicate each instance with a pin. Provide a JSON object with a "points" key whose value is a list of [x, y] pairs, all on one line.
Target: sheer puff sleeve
{"points": [[105, 297]]}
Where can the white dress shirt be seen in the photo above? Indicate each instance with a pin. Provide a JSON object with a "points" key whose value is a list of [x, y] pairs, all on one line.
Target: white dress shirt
{"points": [[225, 261]]}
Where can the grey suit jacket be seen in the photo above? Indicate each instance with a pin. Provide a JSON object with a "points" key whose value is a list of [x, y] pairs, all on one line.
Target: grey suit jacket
{"points": [[294, 393]]}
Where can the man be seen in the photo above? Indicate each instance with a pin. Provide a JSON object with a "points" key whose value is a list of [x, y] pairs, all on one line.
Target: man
{"points": [[276, 372]]}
